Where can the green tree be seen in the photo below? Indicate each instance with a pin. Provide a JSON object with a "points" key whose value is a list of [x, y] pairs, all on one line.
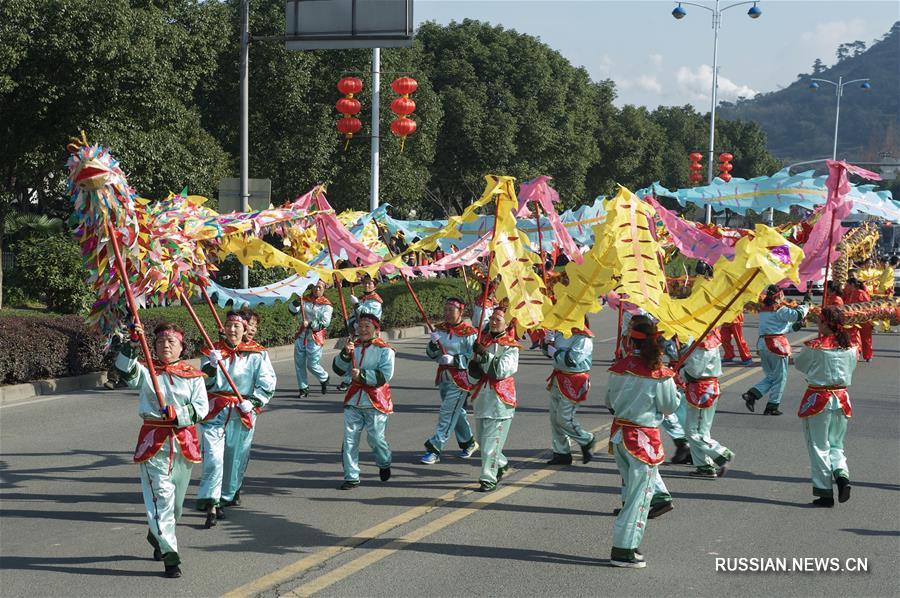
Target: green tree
{"points": [[49, 269]]}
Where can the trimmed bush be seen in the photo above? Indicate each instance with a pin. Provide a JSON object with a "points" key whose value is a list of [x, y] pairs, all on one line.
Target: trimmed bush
{"points": [[33, 348], [50, 269]]}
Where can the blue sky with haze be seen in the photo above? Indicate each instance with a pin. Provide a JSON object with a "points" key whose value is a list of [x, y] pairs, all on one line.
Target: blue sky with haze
{"points": [[655, 59]]}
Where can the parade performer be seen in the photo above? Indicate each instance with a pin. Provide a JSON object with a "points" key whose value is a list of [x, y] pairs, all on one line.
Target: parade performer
{"points": [[775, 319], [482, 302], [735, 330], [369, 302], [834, 294], [857, 293], [310, 337], [828, 363], [640, 392], [367, 403], [451, 347], [165, 470], [228, 429], [494, 362], [700, 373], [569, 384]]}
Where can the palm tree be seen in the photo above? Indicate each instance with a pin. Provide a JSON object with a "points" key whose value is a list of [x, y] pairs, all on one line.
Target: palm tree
{"points": [[19, 224]]}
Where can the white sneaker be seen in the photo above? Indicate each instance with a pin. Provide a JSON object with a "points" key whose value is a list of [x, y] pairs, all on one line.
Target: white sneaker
{"points": [[467, 453], [430, 458], [629, 564]]}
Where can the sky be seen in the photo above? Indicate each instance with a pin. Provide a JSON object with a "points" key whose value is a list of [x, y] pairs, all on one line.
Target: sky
{"points": [[658, 60]]}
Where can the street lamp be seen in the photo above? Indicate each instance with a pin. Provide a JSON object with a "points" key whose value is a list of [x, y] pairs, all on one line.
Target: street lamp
{"points": [[838, 92], [679, 13]]}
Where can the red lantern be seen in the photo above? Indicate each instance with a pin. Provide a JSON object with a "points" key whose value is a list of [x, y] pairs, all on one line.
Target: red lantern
{"points": [[403, 127], [403, 106], [350, 85], [348, 126], [404, 86], [695, 167], [725, 166], [348, 106]]}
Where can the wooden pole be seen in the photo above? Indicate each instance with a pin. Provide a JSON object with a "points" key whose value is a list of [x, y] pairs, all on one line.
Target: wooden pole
{"points": [[132, 306], [212, 308], [340, 292]]}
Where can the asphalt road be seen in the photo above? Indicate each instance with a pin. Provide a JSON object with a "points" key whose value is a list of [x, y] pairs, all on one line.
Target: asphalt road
{"points": [[72, 522]]}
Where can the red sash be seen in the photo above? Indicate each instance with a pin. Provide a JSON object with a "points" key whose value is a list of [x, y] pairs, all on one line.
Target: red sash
{"points": [[640, 441], [154, 434], [778, 344], [459, 377], [702, 393], [505, 389], [573, 386], [222, 400], [379, 395], [817, 397]]}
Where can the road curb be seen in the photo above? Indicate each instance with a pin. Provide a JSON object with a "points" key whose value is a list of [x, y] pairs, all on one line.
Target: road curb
{"points": [[93, 380]]}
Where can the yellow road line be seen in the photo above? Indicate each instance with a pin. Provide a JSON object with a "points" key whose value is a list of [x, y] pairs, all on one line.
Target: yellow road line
{"points": [[306, 563], [461, 512]]}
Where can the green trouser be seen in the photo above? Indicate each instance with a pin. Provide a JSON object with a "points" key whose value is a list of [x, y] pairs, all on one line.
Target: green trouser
{"points": [[491, 434], [825, 441], [697, 424], [374, 423], [638, 491], [563, 424], [163, 492]]}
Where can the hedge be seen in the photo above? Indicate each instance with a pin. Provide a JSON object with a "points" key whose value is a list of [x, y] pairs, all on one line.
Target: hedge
{"points": [[38, 347]]}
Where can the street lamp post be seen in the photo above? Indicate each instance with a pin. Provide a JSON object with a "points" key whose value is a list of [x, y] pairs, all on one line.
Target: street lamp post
{"points": [[679, 13], [838, 92]]}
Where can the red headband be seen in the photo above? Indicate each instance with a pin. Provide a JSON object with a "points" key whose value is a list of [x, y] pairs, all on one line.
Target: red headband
{"points": [[236, 318], [637, 334], [174, 333], [372, 318], [456, 303]]}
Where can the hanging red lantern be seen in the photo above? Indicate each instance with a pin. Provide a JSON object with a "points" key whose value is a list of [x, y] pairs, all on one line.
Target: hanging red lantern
{"points": [[725, 166], [404, 86], [348, 106], [350, 85], [695, 167], [348, 126], [403, 106]]}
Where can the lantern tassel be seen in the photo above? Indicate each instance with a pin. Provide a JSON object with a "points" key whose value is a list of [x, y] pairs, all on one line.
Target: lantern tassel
{"points": [[402, 142]]}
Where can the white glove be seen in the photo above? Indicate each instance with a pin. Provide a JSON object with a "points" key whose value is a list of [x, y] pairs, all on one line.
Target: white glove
{"points": [[353, 299], [245, 406], [215, 356], [445, 359], [551, 350], [435, 336]]}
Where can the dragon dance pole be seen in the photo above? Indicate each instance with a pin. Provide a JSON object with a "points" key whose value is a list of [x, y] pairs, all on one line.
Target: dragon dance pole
{"points": [[487, 278], [339, 290], [132, 306], [617, 354], [212, 308], [405, 279], [209, 344], [537, 212], [712, 324]]}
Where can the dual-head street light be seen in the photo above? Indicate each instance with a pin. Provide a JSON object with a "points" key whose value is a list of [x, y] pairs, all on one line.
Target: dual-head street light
{"points": [[839, 86]]}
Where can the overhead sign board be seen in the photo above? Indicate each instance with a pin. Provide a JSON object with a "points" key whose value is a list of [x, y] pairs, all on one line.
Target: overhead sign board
{"points": [[343, 24]]}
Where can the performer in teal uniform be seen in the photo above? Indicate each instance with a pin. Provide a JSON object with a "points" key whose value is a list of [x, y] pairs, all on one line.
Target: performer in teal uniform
{"points": [[369, 302], [640, 392], [495, 361], [367, 403], [569, 385], [227, 430], [828, 363], [775, 320], [310, 337], [165, 472], [451, 347], [700, 373]]}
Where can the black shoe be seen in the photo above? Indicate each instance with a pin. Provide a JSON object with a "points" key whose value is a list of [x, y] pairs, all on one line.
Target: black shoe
{"points": [[342, 387], [560, 459], [501, 471], [220, 514], [325, 387], [587, 451], [236, 502], [172, 572], [157, 555], [749, 401], [617, 510], [703, 473], [771, 410], [824, 501], [210, 518], [682, 453], [384, 473], [303, 393], [660, 509], [348, 485], [843, 485], [486, 487]]}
